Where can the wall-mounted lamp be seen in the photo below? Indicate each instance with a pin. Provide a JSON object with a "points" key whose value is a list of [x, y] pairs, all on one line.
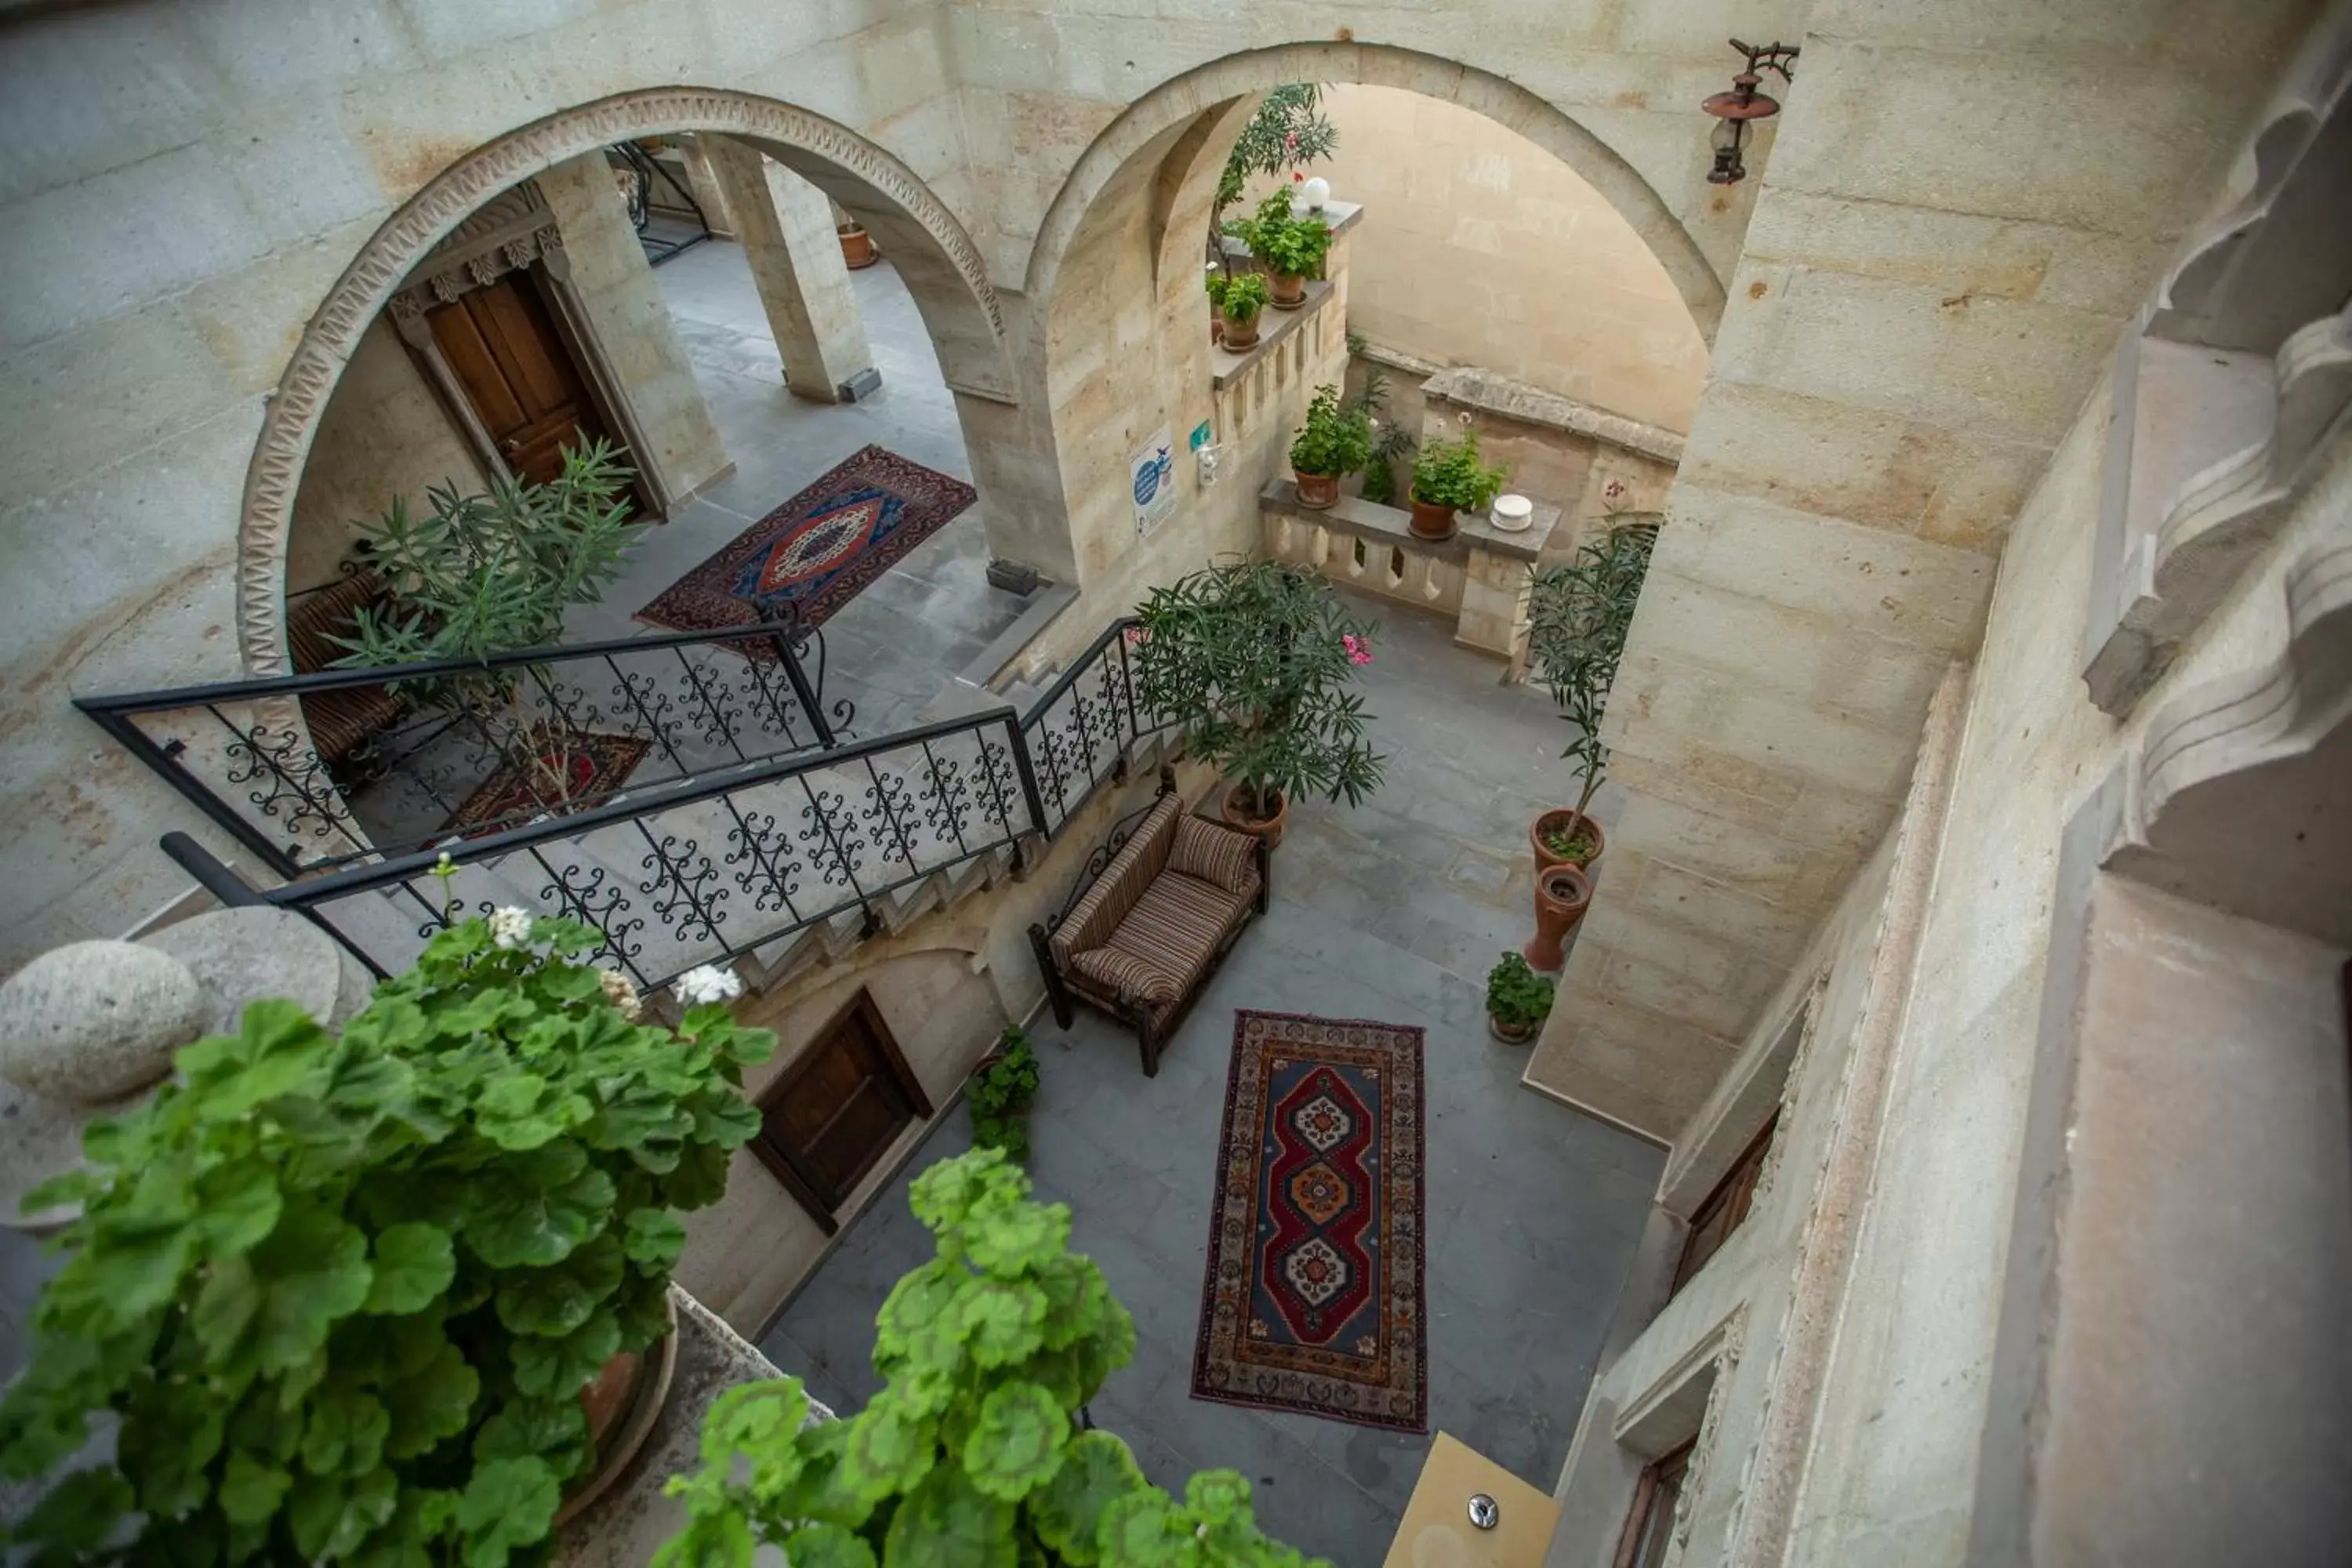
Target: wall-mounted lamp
{"points": [[1743, 103]]}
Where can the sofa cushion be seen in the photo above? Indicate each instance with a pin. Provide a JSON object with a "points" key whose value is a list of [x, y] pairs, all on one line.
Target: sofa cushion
{"points": [[1214, 853], [1099, 911], [1126, 976], [1177, 924]]}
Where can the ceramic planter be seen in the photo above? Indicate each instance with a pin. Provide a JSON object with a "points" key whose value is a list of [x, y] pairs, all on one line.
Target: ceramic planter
{"points": [[1510, 1035], [1318, 492], [1562, 895], [1512, 514], [1285, 291], [856, 247], [1240, 335], [1230, 807], [623, 1403], [1432, 519], [1569, 821]]}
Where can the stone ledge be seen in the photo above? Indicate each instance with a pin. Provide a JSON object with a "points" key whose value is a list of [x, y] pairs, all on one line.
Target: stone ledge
{"points": [[1274, 326], [1390, 525], [1467, 386]]}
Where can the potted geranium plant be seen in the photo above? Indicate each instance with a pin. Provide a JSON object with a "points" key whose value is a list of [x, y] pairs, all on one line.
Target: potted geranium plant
{"points": [[999, 1093], [1447, 478], [1291, 249], [1335, 442], [977, 1449], [1240, 300], [385, 1296], [1577, 616], [1517, 1000], [1253, 660]]}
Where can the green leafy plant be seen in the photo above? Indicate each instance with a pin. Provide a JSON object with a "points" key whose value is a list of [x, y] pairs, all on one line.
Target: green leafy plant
{"points": [[1240, 297], [1255, 658], [1288, 131], [1390, 444], [1001, 1093], [1287, 245], [1577, 616], [1574, 843], [1335, 440], [492, 572], [1517, 996], [342, 1292], [1448, 473], [972, 1454]]}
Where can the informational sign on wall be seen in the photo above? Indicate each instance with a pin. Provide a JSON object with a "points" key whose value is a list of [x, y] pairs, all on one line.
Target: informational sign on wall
{"points": [[1153, 473]]}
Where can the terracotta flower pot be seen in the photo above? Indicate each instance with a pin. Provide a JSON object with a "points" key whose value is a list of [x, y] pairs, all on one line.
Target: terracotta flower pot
{"points": [[1231, 808], [1562, 895], [1570, 822], [623, 1403], [1509, 1034], [1284, 291], [856, 247], [1240, 335], [1318, 492], [1432, 519]]}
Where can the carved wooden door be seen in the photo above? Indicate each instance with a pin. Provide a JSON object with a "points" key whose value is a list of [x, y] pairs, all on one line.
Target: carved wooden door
{"points": [[835, 1111], [500, 341]]}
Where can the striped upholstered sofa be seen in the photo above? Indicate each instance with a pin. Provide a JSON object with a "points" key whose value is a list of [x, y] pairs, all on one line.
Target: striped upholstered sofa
{"points": [[1140, 936]]}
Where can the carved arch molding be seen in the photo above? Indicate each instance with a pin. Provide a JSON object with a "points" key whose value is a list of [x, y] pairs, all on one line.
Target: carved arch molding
{"points": [[942, 268]]}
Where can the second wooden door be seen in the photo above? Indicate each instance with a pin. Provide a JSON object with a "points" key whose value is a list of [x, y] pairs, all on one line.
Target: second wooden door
{"points": [[501, 343], [836, 1110]]}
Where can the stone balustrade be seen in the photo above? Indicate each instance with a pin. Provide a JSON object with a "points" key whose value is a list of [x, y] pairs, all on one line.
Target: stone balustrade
{"points": [[1479, 578]]}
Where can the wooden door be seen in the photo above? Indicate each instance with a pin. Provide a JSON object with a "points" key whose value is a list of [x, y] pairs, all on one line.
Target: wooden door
{"points": [[501, 343], [835, 1111]]}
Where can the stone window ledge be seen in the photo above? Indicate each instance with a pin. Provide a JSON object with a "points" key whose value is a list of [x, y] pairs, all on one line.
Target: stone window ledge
{"points": [[1387, 525], [1467, 386]]}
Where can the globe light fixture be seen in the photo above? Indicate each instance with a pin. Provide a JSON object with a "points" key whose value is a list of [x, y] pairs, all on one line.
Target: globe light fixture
{"points": [[1735, 111]]}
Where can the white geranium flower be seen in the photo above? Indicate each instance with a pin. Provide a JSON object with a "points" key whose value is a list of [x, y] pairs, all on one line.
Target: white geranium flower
{"points": [[621, 993], [510, 927], [708, 984]]}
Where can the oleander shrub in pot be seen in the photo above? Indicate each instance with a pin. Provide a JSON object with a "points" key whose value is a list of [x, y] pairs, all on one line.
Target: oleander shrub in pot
{"points": [[1577, 618], [973, 1453], [344, 1293]]}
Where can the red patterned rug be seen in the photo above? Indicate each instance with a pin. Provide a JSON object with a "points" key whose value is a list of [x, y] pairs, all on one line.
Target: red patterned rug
{"points": [[814, 554], [1314, 1300], [576, 769]]}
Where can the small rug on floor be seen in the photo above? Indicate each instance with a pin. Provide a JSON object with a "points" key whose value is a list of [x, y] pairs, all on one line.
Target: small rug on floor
{"points": [[1314, 1299], [814, 554], [589, 766]]}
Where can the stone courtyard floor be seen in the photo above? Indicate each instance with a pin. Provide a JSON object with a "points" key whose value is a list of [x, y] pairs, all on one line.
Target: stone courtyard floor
{"points": [[1392, 911]]}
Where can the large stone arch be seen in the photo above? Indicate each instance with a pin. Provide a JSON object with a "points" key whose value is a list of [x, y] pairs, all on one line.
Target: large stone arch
{"points": [[1185, 97], [933, 253]]}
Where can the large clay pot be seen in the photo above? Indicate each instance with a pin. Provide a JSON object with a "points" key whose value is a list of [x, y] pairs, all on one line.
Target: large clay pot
{"points": [[1231, 808], [1285, 291], [623, 1403], [1570, 821], [1432, 521], [856, 247], [1509, 1034], [1240, 335], [1318, 492], [1562, 895]]}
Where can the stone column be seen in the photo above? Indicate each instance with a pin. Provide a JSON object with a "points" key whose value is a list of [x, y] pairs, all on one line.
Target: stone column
{"points": [[786, 225], [703, 181]]}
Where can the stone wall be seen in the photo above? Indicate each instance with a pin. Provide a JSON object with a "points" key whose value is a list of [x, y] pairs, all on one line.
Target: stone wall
{"points": [[1478, 248], [1916, 319], [387, 435]]}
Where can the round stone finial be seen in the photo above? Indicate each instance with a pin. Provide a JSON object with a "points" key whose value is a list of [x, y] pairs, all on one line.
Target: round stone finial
{"points": [[92, 1021], [243, 955]]}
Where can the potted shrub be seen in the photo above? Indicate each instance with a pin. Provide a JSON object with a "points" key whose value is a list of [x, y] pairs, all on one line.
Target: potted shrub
{"points": [[856, 245], [1290, 248], [1517, 1000], [1577, 616], [1253, 661], [1333, 443], [1001, 1091], [1447, 478], [977, 1449], [344, 1293], [1239, 301]]}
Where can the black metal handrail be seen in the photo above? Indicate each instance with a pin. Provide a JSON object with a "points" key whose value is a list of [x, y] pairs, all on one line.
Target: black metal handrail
{"points": [[439, 733], [737, 858]]}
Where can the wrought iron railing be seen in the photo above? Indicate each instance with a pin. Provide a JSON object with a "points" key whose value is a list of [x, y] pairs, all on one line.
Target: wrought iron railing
{"points": [[313, 771], [739, 858]]}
